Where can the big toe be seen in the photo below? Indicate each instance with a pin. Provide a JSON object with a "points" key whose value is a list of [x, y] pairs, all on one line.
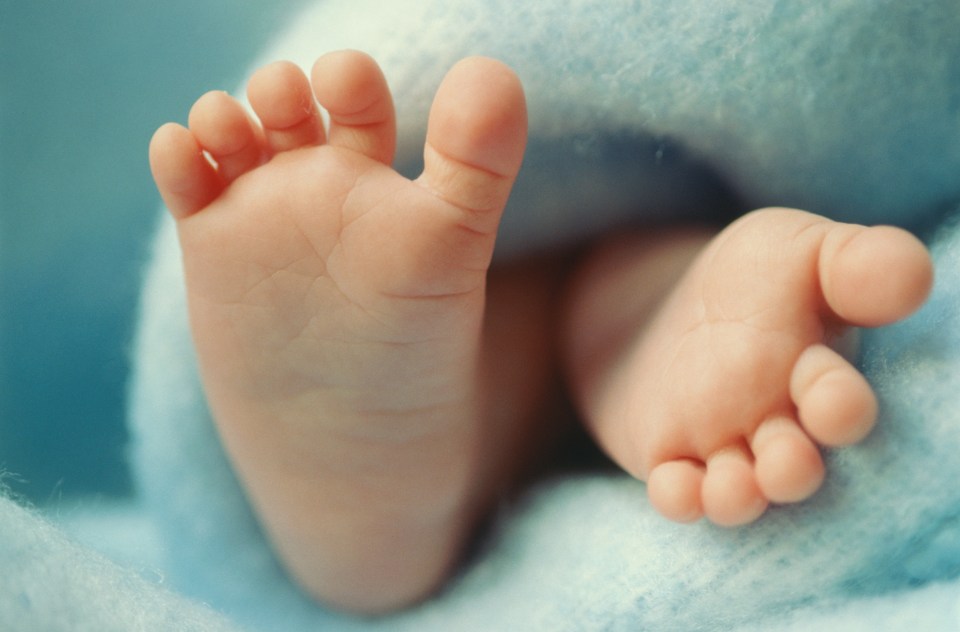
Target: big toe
{"points": [[874, 276], [476, 137]]}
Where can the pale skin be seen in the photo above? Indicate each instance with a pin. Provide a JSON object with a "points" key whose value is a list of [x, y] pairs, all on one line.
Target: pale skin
{"points": [[377, 387]]}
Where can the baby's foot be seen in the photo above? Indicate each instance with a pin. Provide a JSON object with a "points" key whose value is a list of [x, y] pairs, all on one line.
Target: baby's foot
{"points": [[722, 403], [336, 308]]}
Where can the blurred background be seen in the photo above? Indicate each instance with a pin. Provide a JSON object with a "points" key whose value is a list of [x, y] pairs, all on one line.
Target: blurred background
{"points": [[83, 84]]}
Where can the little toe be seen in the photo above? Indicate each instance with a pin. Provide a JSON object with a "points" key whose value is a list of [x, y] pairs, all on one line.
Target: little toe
{"points": [[788, 465], [835, 403], [674, 488], [352, 89], [476, 137], [731, 495], [280, 95], [225, 131], [185, 178], [874, 276]]}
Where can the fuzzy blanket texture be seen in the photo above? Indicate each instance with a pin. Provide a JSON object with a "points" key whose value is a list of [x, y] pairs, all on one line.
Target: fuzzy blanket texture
{"points": [[639, 111]]}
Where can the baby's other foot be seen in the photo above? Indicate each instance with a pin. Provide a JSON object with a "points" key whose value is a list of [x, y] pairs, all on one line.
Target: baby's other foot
{"points": [[722, 404], [336, 309]]}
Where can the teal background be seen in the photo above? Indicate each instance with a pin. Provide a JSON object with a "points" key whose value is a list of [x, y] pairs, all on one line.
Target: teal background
{"points": [[83, 84]]}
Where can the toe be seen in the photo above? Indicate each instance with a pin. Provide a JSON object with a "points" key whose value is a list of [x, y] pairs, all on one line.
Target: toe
{"points": [[834, 402], [731, 495], [280, 95], [874, 276], [185, 178], [352, 89], [674, 490], [225, 131], [788, 466], [475, 140]]}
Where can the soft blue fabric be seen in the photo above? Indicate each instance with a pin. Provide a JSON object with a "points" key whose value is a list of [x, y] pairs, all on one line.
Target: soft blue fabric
{"points": [[50, 583], [639, 110]]}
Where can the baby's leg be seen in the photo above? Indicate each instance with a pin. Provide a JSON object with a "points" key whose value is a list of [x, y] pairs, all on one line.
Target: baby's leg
{"points": [[337, 310], [707, 367]]}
